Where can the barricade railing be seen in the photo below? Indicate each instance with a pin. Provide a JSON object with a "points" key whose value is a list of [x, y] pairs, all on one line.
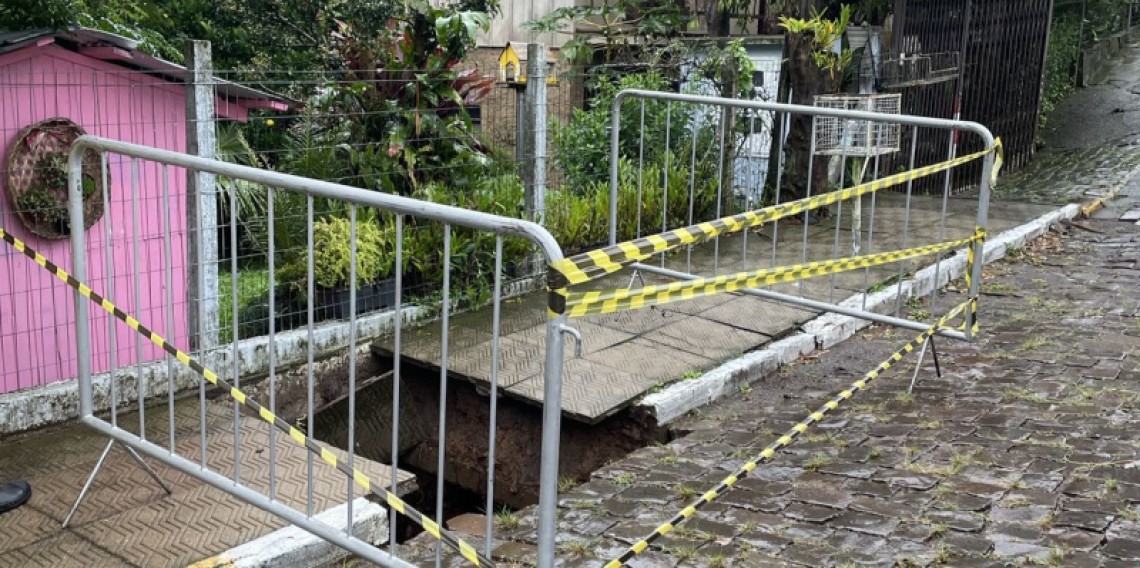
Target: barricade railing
{"points": [[101, 274], [915, 226], [698, 272]]}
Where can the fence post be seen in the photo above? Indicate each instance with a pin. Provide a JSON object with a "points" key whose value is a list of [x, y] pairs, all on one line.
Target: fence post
{"points": [[201, 200], [534, 113]]}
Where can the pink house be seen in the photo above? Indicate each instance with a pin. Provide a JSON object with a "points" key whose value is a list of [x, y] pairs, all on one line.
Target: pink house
{"points": [[104, 84]]}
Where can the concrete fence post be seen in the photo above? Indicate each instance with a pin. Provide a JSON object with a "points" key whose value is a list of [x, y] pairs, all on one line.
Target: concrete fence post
{"points": [[201, 199], [534, 116]]}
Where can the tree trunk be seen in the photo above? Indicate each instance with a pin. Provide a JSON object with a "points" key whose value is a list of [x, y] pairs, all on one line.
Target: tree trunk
{"points": [[805, 81]]}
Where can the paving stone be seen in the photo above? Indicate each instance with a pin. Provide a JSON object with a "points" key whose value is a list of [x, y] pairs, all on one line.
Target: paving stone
{"points": [[1086, 560], [984, 490], [870, 488], [1074, 539], [1018, 548], [589, 525], [913, 531], [1127, 550], [717, 529], [814, 495], [958, 520], [852, 470], [750, 501], [806, 532], [1122, 529], [1014, 531], [908, 480], [632, 531], [620, 508], [962, 502], [881, 507], [1096, 522], [648, 494], [967, 544], [849, 542], [765, 541], [1031, 514], [865, 523], [810, 513], [808, 554], [764, 488]]}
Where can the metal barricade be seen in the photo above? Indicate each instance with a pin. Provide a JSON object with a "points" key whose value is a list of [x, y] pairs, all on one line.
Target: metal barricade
{"points": [[128, 333], [724, 216]]}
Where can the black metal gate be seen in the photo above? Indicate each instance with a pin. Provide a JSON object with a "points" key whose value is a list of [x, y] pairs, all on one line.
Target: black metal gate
{"points": [[1002, 46]]}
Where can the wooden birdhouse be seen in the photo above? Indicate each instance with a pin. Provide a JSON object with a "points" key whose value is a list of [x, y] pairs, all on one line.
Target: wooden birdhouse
{"points": [[512, 65]]}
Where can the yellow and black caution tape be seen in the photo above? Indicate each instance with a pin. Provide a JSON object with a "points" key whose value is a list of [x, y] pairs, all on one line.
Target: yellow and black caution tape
{"points": [[360, 478], [786, 440], [599, 262], [580, 304]]}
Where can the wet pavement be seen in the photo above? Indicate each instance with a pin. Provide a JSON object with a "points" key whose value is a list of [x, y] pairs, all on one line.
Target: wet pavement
{"points": [[1024, 451], [127, 520]]}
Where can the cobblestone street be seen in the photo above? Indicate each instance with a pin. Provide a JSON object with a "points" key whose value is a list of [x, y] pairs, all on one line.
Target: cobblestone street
{"points": [[1023, 452]]}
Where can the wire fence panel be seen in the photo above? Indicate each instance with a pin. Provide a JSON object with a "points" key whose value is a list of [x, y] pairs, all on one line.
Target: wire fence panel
{"points": [[49, 103], [249, 441]]}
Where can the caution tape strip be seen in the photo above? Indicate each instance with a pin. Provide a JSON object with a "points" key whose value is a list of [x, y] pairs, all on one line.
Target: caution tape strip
{"points": [[599, 262], [580, 304], [360, 478], [783, 441]]}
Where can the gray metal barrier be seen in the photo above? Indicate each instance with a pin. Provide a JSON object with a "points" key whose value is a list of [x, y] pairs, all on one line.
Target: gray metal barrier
{"points": [[703, 130], [128, 341]]}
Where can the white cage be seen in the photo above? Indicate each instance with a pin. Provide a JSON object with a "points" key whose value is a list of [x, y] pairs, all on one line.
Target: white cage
{"points": [[843, 136]]}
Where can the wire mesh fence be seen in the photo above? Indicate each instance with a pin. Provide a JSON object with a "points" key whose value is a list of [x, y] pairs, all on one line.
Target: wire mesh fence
{"points": [[461, 138], [46, 107]]}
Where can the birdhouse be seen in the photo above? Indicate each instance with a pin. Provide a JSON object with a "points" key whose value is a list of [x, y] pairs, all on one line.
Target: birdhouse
{"points": [[512, 65]]}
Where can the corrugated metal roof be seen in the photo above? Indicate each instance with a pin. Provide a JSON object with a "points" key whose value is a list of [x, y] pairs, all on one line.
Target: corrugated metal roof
{"points": [[85, 37]]}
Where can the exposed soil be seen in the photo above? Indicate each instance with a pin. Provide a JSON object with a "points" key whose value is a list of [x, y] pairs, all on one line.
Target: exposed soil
{"points": [[584, 448]]}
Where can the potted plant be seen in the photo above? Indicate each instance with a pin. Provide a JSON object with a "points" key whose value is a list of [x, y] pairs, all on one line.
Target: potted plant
{"points": [[332, 266]]}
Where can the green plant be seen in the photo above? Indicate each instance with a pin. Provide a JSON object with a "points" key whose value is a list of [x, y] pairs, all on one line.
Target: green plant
{"points": [[45, 200], [566, 483], [624, 480], [507, 519], [825, 34], [43, 206], [685, 492], [332, 262], [578, 548], [817, 461]]}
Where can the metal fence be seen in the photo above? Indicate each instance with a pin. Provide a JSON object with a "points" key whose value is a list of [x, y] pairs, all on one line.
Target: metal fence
{"points": [[785, 234], [158, 431], [1002, 46]]}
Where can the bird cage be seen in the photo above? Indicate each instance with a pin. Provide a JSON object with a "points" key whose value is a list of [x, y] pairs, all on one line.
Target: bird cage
{"points": [[836, 136]]}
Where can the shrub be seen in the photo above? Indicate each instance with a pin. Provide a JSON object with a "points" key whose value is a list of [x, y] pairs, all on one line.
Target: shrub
{"points": [[582, 146], [1060, 64], [332, 263]]}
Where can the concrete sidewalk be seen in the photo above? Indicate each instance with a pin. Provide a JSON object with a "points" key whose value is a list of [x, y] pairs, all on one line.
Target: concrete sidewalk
{"points": [[127, 519]]}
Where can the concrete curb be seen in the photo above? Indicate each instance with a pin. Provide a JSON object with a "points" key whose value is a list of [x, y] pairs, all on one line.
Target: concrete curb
{"points": [[291, 546], [827, 330]]}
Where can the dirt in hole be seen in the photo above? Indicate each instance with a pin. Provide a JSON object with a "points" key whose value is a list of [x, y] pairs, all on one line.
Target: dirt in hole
{"points": [[584, 448]]}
